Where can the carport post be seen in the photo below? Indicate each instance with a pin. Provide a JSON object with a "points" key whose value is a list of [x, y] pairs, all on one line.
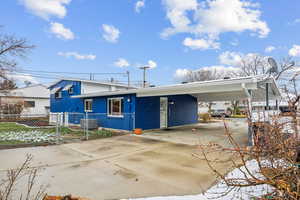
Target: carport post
{"points": [[267, 96], [250, 120]]}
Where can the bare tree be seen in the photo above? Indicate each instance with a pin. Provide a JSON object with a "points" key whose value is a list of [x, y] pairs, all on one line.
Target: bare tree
{"points": [[253, 64], [11, 189], [8, 85], [11, 48]]}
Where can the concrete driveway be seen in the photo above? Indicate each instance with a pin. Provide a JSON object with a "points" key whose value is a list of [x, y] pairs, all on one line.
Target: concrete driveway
{"points": [[203, 133], [119, 167]]}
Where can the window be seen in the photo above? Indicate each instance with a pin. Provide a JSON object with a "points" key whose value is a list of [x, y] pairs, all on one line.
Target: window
{"points": [[71, 90], [58, 94], [29, 104], [88, 105], [115, 106]]}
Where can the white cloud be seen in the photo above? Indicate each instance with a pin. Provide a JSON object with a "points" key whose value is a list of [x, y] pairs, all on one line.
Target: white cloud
{"points": [[111, 34], [22, 78], [181, 74], [177, 14], [61, 32], [269, 49], [230, 58], [121, 62], [46, 8], [200, 44], [77, 55], [296, 21], [295, 51], [139, 5], [235, 42], [208, 19], [152, 64]]}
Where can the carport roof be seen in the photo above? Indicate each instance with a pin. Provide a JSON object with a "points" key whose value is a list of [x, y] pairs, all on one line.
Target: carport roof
{"points": [[215, 90]]}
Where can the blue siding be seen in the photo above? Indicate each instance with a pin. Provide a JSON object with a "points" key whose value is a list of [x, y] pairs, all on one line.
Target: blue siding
{"points": [[147, 113], [183, 111], [66, 103], [100, 113]]}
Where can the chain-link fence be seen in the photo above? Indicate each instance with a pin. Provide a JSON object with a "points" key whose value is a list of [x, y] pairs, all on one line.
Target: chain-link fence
{"points": [[28, 129], [99, 124], [62, 127]]}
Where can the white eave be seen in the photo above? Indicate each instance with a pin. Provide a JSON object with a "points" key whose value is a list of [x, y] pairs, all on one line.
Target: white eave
{"points": [[216, 90], [54, 90], [93, 82], [67, 87]]}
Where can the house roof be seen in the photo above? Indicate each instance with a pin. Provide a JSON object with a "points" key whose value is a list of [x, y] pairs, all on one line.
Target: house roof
{"points": [[32, 91], [92, 82], [215, 90]]}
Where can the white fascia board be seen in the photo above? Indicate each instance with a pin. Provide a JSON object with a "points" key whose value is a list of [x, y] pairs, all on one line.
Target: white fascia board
{"points": [[188, 88], [54, 90], [197, 89]]}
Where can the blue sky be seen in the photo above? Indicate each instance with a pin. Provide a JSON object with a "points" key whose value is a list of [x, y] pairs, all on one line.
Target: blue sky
{"points": [[170, 35]]}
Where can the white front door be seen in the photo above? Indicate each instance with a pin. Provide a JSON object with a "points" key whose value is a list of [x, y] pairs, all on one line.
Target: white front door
{"points": [[163, 112]]}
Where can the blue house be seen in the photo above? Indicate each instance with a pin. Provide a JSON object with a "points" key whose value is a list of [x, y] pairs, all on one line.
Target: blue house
{"points": [[121, 107]]}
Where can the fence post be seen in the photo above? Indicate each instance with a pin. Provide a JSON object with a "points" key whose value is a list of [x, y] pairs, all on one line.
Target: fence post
{"points": [[66, 119], [57, 127], [86, 126]]}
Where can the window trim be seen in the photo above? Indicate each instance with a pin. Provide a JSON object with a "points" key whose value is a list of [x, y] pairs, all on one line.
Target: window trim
{"points": [[59, 96], [71, 90], [88, 100], [121, 115], [26, 103]]}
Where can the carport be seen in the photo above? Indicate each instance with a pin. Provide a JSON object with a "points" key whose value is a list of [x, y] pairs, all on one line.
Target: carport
{"points": [[251, 89]]}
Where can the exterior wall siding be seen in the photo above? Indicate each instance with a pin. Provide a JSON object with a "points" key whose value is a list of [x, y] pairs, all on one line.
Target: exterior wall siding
{"points": [[182, 111], [66, 103], [147, 115], [99, 112]]}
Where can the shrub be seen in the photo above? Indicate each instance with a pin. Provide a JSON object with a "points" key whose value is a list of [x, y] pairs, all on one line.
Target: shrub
{"points": [[205, 117]]}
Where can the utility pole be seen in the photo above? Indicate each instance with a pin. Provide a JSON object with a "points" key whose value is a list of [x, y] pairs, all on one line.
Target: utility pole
{"points": [[144, 74], [128, 78], [91, 76]]}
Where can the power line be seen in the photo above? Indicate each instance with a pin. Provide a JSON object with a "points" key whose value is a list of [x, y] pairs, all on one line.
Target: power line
{"points": [[58, 77], [59, 72]]}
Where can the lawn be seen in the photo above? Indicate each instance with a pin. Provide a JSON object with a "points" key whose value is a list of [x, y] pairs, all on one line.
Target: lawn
{"points": [[14, 133]]}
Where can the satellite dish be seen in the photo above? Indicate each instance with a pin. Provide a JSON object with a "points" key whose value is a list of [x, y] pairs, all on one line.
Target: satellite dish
{"points": [[274, 66], [293, 63]]}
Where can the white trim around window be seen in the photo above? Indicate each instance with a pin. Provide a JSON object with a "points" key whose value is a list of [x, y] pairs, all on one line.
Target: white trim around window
{"points": [[115, 106], [88, 105]]}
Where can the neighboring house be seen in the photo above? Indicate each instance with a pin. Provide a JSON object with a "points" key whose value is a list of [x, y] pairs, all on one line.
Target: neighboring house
{"points": [[203, 107], [32, 100], [118, 107]]}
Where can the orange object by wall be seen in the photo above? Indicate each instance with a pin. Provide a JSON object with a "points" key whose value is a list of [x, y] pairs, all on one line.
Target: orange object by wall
{"points": [[138, 131]]}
